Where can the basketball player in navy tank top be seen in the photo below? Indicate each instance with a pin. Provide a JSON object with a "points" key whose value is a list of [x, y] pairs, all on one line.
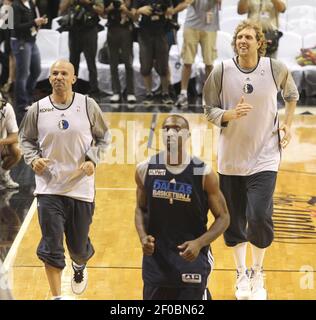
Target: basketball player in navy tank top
{"points": [[174, 194]]}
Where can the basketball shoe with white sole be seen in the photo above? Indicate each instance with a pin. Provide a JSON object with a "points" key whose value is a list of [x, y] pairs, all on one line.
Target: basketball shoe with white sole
{"points": [[79, 279], [243, 288], [258, 291]]}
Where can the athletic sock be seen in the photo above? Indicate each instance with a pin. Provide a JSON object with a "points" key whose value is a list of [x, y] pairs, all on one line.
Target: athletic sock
{"points": [[78, 266], [240, 251], [257, 257]]}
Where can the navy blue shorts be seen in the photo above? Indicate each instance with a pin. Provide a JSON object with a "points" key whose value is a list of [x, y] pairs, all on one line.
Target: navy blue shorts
{"points": [[59, 216], [250, 203], [170, 293]]}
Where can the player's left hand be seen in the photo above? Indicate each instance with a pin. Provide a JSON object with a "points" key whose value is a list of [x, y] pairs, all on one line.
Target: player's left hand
{"points": [[189, 250], [88, 168], [286, 135]]}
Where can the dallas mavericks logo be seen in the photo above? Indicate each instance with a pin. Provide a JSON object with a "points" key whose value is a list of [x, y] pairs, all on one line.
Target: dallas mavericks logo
{"points": [[63, 124], [248, 88]]}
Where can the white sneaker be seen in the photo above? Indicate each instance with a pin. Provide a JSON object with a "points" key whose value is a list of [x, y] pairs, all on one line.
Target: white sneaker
{"points": [[258, 292], [243, 288], [131, 98], [115, 98], [79, 279], [182, 101], [6, 181]]}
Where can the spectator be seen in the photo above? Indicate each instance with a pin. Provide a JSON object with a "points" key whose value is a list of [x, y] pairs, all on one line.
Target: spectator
{"points": [[200, 27], [265, 12], [83, 35], [153, 44], [10, 153], [26, 53], [120, 44], [6, 57]]}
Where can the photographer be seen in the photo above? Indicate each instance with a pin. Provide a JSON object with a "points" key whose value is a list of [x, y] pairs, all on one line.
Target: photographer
{"points": [[120, 43], [200, 28], [153, 44], [83, 34], [266, 13], [26, 53]]}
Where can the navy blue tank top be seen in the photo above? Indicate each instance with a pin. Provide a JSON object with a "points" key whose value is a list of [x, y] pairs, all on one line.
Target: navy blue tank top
{"points": [[176, 212]]}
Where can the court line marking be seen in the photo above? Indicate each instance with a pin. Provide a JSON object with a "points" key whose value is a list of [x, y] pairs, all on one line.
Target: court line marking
{"points": [[140, 268], [9, 260]]}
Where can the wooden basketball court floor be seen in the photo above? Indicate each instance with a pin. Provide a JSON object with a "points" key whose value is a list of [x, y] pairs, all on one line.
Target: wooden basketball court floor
{"points": [[115, 269]]}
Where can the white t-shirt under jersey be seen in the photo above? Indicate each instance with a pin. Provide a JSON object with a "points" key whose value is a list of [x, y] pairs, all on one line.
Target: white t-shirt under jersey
{"points": [[7, 121]]}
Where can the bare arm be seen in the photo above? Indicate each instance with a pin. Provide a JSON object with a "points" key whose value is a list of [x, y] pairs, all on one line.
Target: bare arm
{"points": [[64, 5], [182, 5], [217, 205], [242, 6], [10, 139], [147, 241], [279, 5], [98, 8], [126, 8]]}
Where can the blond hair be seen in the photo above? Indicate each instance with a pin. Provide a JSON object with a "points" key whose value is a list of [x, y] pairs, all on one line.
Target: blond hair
{"points": [[248, 24]]}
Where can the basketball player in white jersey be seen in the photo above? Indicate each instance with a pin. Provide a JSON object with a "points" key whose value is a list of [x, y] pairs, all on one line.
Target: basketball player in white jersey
{"points": [[241, 98], [61, 138]]}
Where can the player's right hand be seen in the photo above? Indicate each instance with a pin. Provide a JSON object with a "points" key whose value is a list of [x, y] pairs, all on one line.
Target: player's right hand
{"points": [[39, 165], [242, 109], [148, 245]]}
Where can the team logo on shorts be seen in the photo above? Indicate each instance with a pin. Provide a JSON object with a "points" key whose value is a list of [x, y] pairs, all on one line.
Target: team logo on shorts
{"points": [[191, 278], [63, 124], [248, 88]]}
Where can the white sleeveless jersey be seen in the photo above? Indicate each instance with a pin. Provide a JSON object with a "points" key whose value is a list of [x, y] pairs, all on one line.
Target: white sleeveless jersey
{"points": [[249, 144], [64, 137]]}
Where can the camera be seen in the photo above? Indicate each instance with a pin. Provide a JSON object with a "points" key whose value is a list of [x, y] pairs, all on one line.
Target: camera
{"points": [[172, 25], [79, 13], [158, 8], [78, 16]]}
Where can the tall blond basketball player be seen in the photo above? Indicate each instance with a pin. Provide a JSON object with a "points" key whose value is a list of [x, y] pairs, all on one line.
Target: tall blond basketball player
{"points": [[241, 98]]}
